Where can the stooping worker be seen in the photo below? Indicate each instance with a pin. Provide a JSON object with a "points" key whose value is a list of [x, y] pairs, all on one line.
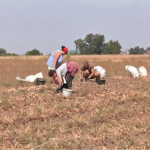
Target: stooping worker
{"points": [[56, 59], [66, 71], [87, 71]]}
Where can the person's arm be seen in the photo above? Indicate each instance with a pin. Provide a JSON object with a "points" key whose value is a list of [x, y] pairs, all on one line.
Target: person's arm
{"points": [[80, 74], [57, 56], [53, 79], [92, 74]]}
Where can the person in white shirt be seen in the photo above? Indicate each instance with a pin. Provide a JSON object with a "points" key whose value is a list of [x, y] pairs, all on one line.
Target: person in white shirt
{"points": [[101, 70], [65, 72]]}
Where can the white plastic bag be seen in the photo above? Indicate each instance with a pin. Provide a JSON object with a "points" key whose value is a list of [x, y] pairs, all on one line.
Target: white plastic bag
{"points": [[101, 70], [39, 75], [31, 78], [18, 78], [142, 71], [133, 71]]}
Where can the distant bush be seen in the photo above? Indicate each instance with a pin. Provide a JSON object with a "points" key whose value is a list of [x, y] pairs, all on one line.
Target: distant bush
{"points": [[33, 52], [11, 54], [2, 52], [136, 50]]}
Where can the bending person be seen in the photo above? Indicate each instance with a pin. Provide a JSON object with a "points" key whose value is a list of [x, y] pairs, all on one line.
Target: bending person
{"points": [[56, 59], [87, 72], [66, 71]]}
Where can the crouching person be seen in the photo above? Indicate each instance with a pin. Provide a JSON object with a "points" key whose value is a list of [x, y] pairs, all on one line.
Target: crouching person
{"points": [[65, 74], [87, 72]]}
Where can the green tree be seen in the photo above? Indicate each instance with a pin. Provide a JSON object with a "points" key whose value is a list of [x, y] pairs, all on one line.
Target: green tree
{"points": [[148, 49], [98, 43], [80, 45], [92, 44], [33, 52], [136, 50], [2, 52], [112, 47]]}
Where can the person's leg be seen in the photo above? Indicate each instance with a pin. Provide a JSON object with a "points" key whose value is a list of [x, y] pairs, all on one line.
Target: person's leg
{"points": [[86, 74], [69, 79], [65, 85]]}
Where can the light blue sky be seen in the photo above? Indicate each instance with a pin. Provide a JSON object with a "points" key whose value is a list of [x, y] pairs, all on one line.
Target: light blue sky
{"points": [[48, 24]]}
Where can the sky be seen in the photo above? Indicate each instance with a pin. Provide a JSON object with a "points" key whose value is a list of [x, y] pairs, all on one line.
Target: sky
{"points": [[48, 24]]}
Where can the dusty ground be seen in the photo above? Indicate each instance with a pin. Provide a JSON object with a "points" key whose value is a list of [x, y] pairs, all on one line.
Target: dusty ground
{"points": [[114, 115]]}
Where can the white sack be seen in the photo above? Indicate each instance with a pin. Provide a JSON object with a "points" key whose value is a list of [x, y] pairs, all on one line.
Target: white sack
{"points": [[18, 78], [142, 71], [133, 71], [39, 75], [101, 70], [31, 78]]}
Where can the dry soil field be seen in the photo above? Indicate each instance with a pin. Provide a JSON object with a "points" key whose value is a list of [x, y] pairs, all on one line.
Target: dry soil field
{"points": [[112, 116]]}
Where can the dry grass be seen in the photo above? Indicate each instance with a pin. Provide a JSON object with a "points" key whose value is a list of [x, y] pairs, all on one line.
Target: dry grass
{"points": [[112, 116]]}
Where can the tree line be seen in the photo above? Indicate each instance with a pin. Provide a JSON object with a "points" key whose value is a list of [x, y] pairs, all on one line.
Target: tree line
{"points": [[3, 52], [91, 44], [95, 44]]}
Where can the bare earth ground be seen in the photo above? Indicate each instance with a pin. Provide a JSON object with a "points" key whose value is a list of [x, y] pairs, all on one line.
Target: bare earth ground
{"points": [[112, 116]]}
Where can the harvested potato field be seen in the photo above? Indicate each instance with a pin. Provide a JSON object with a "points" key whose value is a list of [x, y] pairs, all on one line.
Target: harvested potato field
{"points": [[111, 116]]}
